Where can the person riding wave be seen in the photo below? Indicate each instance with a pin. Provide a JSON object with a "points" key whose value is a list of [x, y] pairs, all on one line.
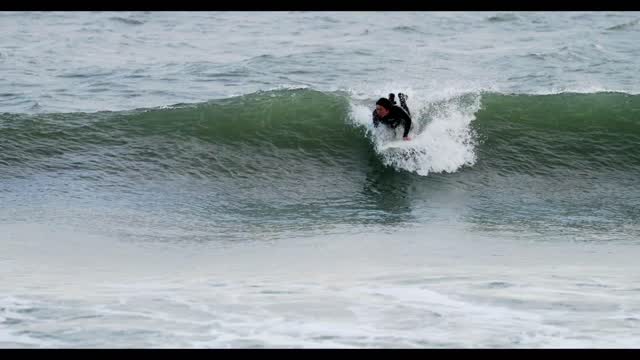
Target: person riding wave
{"points": [[392, 115]]}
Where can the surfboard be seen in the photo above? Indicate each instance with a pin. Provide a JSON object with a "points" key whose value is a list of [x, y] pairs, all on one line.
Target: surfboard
{"points": [[395, 144]]}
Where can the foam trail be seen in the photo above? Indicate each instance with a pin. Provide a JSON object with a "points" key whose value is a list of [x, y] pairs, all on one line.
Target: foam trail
{"points": [[16, 311]]}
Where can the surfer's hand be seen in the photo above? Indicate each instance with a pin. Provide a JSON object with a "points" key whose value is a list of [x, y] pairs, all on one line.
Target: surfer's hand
{"points": [[406, 138]]}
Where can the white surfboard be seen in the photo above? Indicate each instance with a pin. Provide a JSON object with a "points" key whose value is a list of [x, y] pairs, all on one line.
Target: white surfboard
{"points": [[395, 144]]}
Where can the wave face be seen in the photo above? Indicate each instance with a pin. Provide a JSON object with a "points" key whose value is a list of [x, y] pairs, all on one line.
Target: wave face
{"points": [[539, 134], [259, 133], [269, 134]]}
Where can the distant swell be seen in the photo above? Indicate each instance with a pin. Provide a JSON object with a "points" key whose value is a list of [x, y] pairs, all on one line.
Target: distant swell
{"points": [[271, 133], [625, 26], [127, 21], [502, 18]]}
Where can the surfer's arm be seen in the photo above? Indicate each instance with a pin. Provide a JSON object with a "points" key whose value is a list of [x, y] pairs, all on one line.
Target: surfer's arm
{"points": [[376, 120]]}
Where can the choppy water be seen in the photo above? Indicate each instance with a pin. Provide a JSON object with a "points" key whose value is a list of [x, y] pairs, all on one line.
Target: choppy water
{"points": [[214, 180]]}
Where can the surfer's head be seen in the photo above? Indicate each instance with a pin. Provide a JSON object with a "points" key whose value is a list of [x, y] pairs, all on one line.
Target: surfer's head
{"points": [[383, 106]]}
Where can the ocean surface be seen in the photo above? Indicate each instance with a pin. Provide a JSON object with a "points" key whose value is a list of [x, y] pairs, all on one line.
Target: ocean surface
{"points": [[213, 180]]}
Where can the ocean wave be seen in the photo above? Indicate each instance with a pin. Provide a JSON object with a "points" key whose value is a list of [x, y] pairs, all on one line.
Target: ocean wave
{"points": [[269, 131]]}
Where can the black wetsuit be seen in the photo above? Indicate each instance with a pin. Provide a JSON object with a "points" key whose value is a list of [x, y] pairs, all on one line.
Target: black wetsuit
{"points": [[395, 117]]}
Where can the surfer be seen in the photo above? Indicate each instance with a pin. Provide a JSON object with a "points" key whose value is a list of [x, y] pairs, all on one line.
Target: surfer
{"points": [[392, 115]]}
